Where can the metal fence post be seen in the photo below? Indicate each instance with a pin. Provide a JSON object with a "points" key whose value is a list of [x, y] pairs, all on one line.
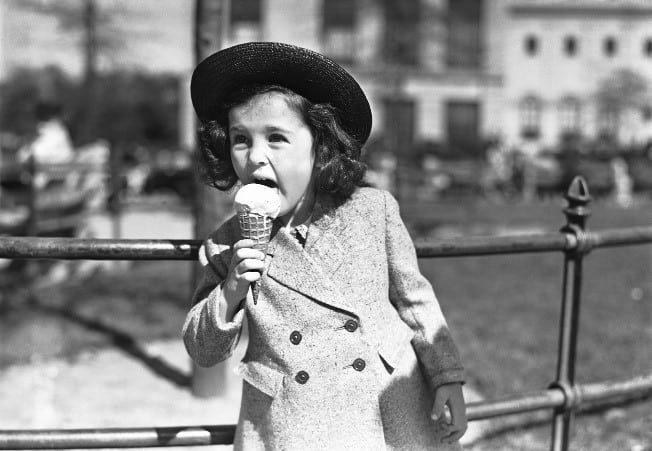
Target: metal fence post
{"points": [[576, 214]]}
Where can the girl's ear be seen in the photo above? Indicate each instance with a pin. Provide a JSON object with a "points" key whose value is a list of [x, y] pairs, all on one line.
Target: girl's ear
{"points": [[319, 155]]}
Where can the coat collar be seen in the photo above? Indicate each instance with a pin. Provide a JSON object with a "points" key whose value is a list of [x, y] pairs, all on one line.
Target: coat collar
{"points": [[311, 269]]}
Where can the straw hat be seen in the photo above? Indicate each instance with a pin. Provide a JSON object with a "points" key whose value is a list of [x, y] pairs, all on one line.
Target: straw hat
{"points": [[307, 73]]}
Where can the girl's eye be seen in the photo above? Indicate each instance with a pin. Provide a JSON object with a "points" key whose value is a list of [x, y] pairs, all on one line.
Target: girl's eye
{"points": [[277, 137], [239, 139]]}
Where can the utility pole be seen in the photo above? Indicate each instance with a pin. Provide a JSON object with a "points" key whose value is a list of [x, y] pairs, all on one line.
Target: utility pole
{"points": [[210, 206]]}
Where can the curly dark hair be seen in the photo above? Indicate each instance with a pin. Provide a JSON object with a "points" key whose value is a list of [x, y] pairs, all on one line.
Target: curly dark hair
{"points": [[338, 169]]}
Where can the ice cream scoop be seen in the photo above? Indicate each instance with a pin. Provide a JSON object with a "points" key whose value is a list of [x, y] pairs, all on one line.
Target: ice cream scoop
{"points": [[257, 206], [259, 199]]}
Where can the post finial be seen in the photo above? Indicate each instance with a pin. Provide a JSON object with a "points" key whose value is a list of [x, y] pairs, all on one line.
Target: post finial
{"points": [[578, 198]]}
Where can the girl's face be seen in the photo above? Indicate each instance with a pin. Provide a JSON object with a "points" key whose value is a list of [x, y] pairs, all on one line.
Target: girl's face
{"points": [[271, 144]]}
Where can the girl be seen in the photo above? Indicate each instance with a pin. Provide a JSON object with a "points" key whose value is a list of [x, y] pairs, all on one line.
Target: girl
{"points": [[348, 348]]}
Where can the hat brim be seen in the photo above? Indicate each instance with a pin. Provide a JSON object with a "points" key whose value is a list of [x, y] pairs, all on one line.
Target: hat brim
{"points": [[305, 72]]}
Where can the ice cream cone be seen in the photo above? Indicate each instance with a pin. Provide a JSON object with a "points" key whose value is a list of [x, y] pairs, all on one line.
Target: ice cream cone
{"points": [[257, 206], [258, 228]]}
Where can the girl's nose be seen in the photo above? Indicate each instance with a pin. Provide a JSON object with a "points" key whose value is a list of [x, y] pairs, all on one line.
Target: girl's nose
{"points": [[257, 154]]}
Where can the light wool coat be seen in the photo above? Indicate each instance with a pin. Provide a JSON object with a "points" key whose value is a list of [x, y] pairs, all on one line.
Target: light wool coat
{"points": [[347, 342]]}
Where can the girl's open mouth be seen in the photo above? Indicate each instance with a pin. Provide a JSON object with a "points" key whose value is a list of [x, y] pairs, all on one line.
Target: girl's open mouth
{"points": [[266, 182]]}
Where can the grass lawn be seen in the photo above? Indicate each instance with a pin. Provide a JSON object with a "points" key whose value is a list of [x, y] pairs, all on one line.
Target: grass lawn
{"points": [[503, 312]]}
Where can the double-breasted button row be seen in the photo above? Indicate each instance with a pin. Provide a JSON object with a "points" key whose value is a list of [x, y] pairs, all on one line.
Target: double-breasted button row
{"points": [[302, 377], [295, 337]]}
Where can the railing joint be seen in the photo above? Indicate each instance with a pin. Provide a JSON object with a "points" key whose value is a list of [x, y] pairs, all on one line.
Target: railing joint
{"points": [[572, 395], [580, 242]]}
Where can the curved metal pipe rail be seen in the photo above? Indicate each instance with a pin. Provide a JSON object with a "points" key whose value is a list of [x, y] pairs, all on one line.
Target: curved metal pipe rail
{"points": [[18, 247], [223, 435]]}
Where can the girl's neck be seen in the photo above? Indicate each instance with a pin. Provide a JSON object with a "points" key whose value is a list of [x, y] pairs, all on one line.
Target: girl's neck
{"points": [[301, 213]]}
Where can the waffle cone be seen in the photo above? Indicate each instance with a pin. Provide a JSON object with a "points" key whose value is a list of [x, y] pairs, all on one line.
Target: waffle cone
{"points": [[259, 229]]}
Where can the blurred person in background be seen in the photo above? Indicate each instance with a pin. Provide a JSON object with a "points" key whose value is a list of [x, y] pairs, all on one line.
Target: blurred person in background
{"points": [[528, 152], [498, 173], [52, 144]]}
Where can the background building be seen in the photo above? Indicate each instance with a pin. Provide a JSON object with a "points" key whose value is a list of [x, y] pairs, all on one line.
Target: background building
{"points": [[431, 69], [459, 72], [577, 68], [439, 73]]}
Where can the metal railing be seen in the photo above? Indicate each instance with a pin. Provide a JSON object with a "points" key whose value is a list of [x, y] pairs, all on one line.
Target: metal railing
{"points": [[563, 395]]}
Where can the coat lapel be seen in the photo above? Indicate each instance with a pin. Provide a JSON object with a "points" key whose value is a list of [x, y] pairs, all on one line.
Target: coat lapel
{"points": [[311, 270]]}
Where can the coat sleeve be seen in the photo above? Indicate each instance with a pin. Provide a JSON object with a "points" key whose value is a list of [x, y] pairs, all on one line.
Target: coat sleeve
{"points": [[210, 338], [414, 299]]}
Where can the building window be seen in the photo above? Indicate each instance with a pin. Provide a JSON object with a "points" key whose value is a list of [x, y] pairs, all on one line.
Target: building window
{"points": [[463, 127], [399, 122], [531, 45], [402, 39], [530, 117], [464, 34], [646, 113], [570, 45], [569, 117], [339, 13], [608, 123], [339, 29], [647, 47], [245, 11], [246, 18], [610, 46]]}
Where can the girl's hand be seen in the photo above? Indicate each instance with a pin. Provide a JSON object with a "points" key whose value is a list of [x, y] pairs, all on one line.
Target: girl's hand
{"points": [[450, 395], [246, 267]]}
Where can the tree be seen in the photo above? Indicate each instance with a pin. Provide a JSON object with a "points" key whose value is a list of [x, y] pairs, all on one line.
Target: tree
{"points": [[210, 207], [21, 92], [623, 89], [621, 99], [132, 108], [98, 35]]}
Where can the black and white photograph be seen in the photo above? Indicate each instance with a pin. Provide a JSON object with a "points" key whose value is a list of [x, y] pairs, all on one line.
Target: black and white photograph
{"points": [[326, 225]]}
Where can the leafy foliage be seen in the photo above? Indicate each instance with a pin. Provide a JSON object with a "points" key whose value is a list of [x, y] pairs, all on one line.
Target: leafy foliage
{"points": [[130, 108], [623, 89]]}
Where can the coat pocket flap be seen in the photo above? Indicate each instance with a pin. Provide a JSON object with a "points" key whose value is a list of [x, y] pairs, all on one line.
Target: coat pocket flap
{"points": [[262, 377], [393, 346]]}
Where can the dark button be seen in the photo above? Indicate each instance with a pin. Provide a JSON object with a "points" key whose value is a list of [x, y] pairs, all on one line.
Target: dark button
{"points": [[295, 337], [302, 377], [359, 364], [351, 325]]}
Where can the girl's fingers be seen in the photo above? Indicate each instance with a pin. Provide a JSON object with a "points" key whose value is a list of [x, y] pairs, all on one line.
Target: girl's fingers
{"points": [[250, 276], [244, 249], [457, 427], [458, 414], [243, 243], [249, 266], [453, 437], [438, 408], [242, 254]]}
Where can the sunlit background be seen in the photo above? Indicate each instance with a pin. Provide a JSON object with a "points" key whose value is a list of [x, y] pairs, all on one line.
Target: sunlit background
{"points": [[484, 111]]}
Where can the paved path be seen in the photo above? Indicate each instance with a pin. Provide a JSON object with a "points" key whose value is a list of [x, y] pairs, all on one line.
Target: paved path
{"points": [[111, 389]]}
